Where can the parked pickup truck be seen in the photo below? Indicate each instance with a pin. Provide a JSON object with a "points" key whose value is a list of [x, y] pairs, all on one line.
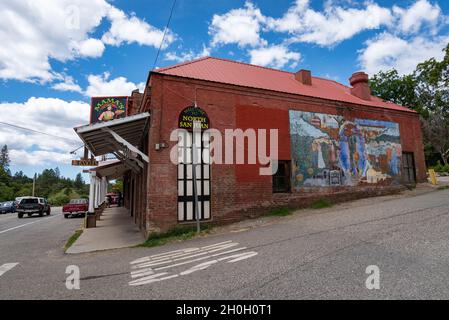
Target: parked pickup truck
{"points": [[75, 207], [30, 205]]}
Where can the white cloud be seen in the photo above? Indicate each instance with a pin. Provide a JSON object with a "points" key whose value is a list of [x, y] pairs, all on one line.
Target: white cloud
{"points": [[238, 26], [420, 13], [35, 31], [389, 51], [187, 56], [403, 40], [92, 48], [331, 26], [274, 56], [100, 85], [38, 158], [131, 29], [52, 116], [336, 23], [292, 20], [68, 84]]}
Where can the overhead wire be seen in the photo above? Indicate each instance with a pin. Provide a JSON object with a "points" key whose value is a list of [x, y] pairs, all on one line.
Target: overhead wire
{"points": [[36, 131], [164, 35]]}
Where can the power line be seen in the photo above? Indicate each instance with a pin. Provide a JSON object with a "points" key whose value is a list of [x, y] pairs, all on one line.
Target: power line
{"points": [[165, 32], [36, 131]]}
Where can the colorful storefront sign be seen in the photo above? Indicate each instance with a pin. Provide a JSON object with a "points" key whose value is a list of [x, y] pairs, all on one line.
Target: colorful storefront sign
{"points": [[108, 108], [191, 115]]}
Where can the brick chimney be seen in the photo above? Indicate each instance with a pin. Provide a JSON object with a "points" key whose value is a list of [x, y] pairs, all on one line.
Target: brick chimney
{"points": [[360, 87], [304, 76]]}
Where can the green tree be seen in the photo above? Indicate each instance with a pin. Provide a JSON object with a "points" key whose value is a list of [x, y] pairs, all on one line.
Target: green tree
{"points": [[432, 78], [6, 193], [79, 182], [20, 177], [426, 90], [436, 132], [116, 186], [390, 86], [57, 172], [4, 158], [24, 190]]}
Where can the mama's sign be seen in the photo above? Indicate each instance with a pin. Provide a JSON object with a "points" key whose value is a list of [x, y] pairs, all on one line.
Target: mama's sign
{"points": [[191, 116], [108, 108]]}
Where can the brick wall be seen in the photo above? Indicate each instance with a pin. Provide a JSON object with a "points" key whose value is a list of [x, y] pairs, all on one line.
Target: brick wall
{"points": [[134, 102], [238, 190]]}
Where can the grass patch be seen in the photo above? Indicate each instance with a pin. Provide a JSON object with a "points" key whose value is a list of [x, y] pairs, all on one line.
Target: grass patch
{"points": [[443, 188], [280, 212], [175, 234], [72, 239], [321, 204]]}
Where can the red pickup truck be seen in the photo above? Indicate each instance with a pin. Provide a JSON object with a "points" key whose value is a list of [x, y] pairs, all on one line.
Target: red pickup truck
{"points": [[75, 207]]}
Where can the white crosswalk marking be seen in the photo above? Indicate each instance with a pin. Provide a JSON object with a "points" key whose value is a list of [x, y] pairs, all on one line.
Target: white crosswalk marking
{"points": [[6, 267], [146, 270]]}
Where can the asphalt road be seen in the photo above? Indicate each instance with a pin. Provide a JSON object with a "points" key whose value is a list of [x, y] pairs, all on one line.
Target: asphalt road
{"points": [[314, 254]]}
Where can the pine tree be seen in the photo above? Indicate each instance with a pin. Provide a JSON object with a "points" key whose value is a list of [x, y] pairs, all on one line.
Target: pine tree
{"points": [[79, 182], [4, 158]]}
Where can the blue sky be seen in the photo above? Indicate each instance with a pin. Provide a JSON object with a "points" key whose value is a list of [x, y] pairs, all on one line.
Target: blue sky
{"points": [[56, 54]]}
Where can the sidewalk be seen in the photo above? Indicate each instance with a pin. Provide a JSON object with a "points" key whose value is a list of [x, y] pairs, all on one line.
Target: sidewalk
{"points": [[245, 225], [114, 230]]}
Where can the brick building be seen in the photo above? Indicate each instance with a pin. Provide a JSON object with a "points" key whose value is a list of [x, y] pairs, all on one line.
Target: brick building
{"points": [[335, 142]]}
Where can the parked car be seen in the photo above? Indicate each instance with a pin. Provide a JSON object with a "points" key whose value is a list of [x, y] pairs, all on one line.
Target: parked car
{"points": [[31, 205], [112, 197], [75, 207], [7, 207]]}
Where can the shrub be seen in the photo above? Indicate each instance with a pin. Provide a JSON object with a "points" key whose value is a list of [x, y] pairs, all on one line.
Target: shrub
{"points": [[280, 212], [59, 200], [441, 168], [321, 204]]}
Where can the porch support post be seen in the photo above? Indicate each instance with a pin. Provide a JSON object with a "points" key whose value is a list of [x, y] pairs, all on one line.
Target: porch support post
{"points": [[97, 192], [92, 192], [105, 188]]}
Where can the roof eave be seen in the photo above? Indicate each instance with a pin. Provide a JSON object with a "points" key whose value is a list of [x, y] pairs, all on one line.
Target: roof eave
{"points": [[294, 94]]}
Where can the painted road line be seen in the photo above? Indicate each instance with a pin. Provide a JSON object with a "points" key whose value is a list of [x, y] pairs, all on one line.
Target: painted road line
{"points": [[163, 256], [6, 267], [141, 270], [142, 281], [153, 264], [148, 269], [26, 224], [240, 256], [16, 227], [217, 244], [199, 259], [184, 256], [178, 253]]}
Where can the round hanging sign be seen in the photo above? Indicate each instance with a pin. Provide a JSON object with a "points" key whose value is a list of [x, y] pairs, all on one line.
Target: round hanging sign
{"points": [[191, 116]]}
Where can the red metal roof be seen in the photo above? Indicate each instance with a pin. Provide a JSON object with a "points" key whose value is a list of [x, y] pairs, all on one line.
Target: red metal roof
{"points": [[247, 75]]}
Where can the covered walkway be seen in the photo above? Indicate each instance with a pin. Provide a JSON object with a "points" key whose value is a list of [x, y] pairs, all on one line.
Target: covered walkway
{"points": [[116, 229], [120, 137], [127, 139]]}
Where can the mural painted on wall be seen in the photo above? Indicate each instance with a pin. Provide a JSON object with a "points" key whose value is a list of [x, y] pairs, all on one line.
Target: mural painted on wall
{"points": [[328, 150]]}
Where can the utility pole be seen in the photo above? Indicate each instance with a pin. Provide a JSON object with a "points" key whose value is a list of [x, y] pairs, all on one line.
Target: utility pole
{"points": [[34, 183]]}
